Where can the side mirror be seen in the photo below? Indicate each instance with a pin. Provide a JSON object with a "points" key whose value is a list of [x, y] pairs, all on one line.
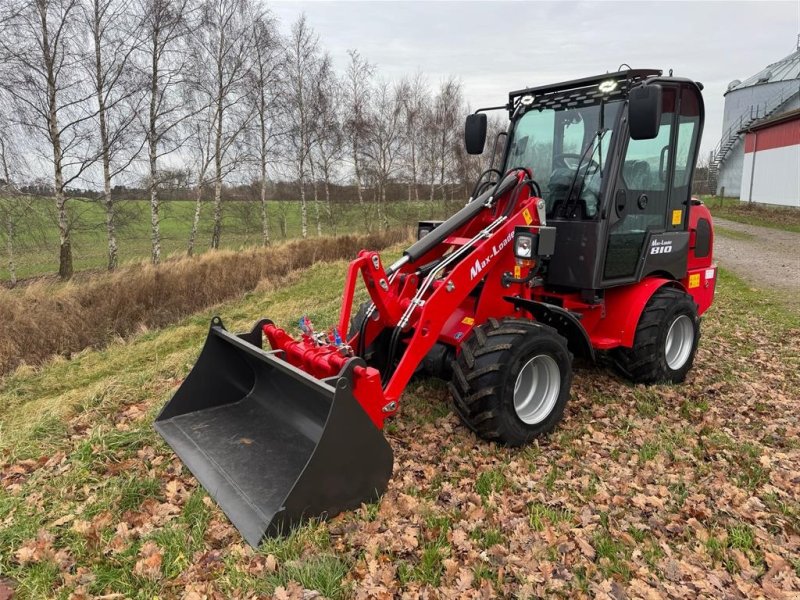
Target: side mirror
{"points": [[475, 133], [644, 112]]}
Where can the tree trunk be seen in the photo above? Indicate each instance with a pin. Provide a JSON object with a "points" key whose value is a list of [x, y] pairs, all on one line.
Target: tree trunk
{"points": [[215, 237], [303, 209], [383, 203], [65, 245], [111, 230], [441, 183], [359, 189], [264, 213], [198, 203], [329, 207], [217, 212], [152, 142], [357, 170], [316, 199], [12, 264], [65, 269], [155, 233], [414, 170]]}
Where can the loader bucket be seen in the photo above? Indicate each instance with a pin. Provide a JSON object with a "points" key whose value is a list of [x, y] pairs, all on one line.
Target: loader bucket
{"points": [[271, 444]]}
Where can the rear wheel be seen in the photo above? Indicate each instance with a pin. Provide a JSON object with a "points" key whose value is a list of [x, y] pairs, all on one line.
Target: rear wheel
{"points": [[665, 342], [511, 380]]}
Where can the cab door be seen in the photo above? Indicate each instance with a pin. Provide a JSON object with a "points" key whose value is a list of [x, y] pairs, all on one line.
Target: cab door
{"points": [[641, 198]]}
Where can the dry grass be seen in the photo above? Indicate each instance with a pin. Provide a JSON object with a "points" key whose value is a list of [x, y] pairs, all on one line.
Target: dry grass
{"points": [[43, 319]]}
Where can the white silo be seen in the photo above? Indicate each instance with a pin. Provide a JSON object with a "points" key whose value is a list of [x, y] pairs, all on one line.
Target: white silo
{"points": [[772, 91]]}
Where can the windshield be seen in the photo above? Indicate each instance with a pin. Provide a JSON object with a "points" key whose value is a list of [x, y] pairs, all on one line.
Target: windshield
{"points": [[567, 151]]}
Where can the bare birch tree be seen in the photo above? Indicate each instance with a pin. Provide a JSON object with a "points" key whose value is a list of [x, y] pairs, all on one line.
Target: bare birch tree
{"points": [[415, 97], [115, 38], [12, 209], [225, 43], [358, 91], [41, 50], [330, 140], [448, 108], [200, 148], [384, 141], [166, 57], [264, 95], [304, 65]]}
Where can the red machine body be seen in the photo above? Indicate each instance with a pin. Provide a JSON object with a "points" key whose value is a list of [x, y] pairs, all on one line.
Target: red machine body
{"points": [[450, 309]]}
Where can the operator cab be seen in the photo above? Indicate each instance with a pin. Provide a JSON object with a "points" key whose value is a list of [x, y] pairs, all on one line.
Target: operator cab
{"points": [[613, 157]]}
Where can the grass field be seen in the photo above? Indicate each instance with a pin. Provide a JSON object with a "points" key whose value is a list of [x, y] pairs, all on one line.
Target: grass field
{"points": [[678, 491], [37, 246], [774, 217]]}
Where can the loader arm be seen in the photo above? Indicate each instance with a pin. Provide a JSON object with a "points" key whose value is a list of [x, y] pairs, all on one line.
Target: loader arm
{"points": [[469, 247], [489, 249]]}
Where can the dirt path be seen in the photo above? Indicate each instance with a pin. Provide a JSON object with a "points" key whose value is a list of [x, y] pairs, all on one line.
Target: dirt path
{"points": [[768, 258]]}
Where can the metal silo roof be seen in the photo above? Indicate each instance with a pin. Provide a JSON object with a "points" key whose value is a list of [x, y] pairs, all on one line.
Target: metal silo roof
{"points": [[784, 70]]}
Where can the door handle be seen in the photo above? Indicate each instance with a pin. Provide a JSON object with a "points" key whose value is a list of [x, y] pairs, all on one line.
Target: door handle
{"points": [[620, 202]]}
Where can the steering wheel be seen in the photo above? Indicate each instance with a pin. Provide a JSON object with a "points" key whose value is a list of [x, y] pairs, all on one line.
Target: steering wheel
{"points": [[571, 161]]}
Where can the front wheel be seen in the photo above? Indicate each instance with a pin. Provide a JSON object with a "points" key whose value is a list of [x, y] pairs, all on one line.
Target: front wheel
{"points": [[511, 380], [665, 341]]}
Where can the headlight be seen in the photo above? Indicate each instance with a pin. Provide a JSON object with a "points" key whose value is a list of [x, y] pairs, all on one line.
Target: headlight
{"points": [[607, 86], [523, 246]]}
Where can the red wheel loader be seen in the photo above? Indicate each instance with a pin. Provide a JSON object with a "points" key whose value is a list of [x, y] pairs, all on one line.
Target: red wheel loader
{"points": [[584, 240]]}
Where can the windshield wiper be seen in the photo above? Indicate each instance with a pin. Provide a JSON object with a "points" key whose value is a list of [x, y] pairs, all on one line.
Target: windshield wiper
{"points": [[571, 203]]}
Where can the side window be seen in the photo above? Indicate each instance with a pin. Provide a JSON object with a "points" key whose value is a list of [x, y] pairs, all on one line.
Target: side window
{"points": [[533, 144], [685, 151], [645, 163], [645, 174], [642, 195]]}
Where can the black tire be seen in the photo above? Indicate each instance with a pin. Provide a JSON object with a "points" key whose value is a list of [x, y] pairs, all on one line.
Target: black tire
{"points": [[647, 361], [485, 374], [358, 318], [376, 353]]}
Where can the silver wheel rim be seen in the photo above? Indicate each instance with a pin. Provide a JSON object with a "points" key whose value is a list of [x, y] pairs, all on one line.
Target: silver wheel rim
{"points": [[536, 389], [680, 339]]}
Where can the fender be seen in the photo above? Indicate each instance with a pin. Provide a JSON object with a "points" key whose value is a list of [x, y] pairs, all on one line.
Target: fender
{"points": [[565, 322], [624, 306]]}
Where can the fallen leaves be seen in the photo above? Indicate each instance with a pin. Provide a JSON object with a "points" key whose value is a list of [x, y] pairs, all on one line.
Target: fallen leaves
{"points": [[149, 565], [41, 549], [6, 589], [682, 492]]}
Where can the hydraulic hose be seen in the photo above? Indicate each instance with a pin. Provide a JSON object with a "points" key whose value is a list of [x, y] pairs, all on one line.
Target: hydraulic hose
{"points": [[466, 214]]}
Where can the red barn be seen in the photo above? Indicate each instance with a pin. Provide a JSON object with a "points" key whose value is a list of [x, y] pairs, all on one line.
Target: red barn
{"points": [[771, 169]]}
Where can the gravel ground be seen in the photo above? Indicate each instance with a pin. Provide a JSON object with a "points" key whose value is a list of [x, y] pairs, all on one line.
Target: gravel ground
{"points": [[769, 259]]}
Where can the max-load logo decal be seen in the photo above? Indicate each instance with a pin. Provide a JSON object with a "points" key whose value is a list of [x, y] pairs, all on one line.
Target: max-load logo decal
{"points": [[480, 264], [660, 246]]}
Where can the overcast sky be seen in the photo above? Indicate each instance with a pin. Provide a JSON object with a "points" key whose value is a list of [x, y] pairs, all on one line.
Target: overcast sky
{"points": [[496, 47]]}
